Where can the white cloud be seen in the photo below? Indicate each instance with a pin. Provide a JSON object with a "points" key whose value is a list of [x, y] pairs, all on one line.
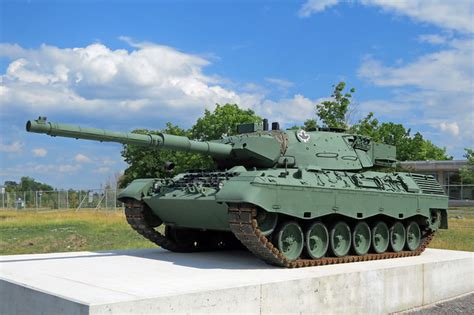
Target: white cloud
{"points": [[68, 168], [314, 6], [108, 161], [435, 90], [14, 147], [453, 15], [81, 158], [50, 168], [102, 170], [434, 39], [290, 110], [149, 80], [449, 70], [115, 82], [281, 83], [452, 128], [39, 152], [396, 110]]}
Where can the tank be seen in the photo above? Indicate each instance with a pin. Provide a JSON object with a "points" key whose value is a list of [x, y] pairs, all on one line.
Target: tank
{"points": [[294, 198]]}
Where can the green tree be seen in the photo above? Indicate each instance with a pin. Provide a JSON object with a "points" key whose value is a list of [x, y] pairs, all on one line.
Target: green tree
{"points": [[367, 126], [333, 113], [310, 124], [222, 121], [420, 149], [147, 162], [409, 148], [73, 198], [26, 184], [467, 172]]}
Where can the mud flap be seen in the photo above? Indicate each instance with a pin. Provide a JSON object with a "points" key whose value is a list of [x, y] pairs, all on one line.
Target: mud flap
{"points": [[444, 219]]}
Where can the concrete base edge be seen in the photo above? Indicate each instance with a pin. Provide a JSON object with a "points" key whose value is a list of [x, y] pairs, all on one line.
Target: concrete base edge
{"points": [[377, 287]]}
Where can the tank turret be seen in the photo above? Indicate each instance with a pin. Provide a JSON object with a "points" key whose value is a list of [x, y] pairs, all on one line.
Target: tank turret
{"points": [[254, 146]]}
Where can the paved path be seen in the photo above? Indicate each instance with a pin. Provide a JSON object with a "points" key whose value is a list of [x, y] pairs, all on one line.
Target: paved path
{"points": [[462, 305]]}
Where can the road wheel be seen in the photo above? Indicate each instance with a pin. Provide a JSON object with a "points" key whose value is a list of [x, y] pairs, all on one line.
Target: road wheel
{"points": [[413, 236], [289, 240], [361, 238], [397, 236], [340, 239], [380, 237], [317, 240]]}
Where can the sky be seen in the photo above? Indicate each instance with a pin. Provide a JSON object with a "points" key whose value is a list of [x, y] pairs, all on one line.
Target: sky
{"points": [[124, 65]]}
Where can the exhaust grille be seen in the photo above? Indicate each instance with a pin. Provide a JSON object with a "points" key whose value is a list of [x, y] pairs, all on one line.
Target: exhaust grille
{"points": [[428, 184]]}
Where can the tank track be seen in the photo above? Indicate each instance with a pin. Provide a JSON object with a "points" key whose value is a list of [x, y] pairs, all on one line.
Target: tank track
{"points": [[135, 212], [243, 223], [140, 218]]}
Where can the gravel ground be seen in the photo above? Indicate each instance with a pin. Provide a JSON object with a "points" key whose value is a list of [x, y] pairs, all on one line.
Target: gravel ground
{"points": [[462, 305]]}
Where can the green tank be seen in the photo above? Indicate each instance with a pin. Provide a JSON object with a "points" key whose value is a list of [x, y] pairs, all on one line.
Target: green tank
{"points": [[294, 198]]}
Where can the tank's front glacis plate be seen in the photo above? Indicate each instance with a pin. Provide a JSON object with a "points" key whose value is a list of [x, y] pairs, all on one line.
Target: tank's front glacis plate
{"points": [[189, 200]]}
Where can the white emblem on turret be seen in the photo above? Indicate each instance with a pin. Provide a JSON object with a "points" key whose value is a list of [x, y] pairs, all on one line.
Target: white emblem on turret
{"points": [[303, 136]]}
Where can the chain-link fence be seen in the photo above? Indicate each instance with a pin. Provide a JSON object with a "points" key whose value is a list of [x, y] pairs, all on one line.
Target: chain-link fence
{"points": [[99, 199], [106, 199]]}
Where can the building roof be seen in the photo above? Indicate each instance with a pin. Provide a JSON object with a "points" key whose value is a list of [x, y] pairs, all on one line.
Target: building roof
{"points": [[449, 165]]}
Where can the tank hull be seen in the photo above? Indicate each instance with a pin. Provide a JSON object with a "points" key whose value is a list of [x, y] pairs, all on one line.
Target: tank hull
{"points": [[301, 194]]}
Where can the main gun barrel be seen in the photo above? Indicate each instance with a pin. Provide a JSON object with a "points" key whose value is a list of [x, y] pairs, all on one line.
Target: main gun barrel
{"points": [[165, 141]]}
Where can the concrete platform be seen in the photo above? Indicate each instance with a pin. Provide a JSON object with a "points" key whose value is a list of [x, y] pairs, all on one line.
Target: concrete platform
{"points": [[156, 281]]}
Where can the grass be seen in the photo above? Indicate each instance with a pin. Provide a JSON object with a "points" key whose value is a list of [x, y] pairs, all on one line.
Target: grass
{"points": [[460, 232], [26, 232]]}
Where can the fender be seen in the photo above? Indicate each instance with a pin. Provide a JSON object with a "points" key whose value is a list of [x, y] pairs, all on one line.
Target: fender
{"points": [[137, 189]]}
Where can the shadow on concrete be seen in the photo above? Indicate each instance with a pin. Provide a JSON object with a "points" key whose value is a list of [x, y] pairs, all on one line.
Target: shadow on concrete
{"points": [[229, 259]]}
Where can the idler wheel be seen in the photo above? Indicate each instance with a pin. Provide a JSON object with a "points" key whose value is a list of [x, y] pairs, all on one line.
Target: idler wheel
{"points": [[340, 239], [361, 238], [397, 237], [317, 240], [413, 236], [380, 237], [289, 240], [267, 222]]}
